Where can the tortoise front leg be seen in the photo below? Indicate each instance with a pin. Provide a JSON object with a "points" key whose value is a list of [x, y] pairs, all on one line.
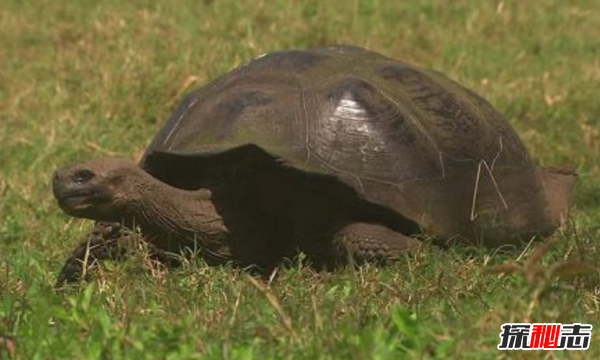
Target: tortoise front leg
{"points": [[363, 242], [102, 243]]}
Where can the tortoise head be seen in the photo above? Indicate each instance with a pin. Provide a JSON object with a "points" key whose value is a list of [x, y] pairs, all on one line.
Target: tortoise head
{"points": [[97, 190]]}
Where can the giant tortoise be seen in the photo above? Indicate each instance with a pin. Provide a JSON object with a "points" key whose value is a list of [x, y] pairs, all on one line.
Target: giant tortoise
{"points": [[340, 153]]}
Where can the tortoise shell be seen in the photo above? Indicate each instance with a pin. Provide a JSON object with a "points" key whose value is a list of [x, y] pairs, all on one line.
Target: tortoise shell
{"points": [[393, 134]]}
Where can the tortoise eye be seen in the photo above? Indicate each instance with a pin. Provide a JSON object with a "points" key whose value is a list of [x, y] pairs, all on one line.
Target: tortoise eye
{"points": [[82, 176]]}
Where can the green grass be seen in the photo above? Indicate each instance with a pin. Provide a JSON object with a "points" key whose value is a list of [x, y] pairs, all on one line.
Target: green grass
{"points": [[85, 79]]}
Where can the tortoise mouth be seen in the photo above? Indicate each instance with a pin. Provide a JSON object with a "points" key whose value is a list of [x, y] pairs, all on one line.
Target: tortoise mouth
{"points": [[70, 200], [72, 197], [77, 194]]}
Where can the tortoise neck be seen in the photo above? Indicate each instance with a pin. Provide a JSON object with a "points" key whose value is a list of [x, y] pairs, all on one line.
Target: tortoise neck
{"points": [[173, 219]]}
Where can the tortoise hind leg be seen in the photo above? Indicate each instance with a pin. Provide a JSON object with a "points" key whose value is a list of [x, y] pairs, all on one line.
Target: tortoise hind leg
{"points": [[364, 242]]}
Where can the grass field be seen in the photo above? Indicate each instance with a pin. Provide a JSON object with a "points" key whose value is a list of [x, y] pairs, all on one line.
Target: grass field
{"points": [[84, 79]]}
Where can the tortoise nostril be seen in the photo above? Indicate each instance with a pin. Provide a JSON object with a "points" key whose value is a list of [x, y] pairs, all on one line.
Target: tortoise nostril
{"points": [[82, 176]]}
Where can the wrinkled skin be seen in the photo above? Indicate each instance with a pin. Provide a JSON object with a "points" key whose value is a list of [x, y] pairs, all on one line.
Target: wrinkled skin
{"points": [[120, 191]]}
